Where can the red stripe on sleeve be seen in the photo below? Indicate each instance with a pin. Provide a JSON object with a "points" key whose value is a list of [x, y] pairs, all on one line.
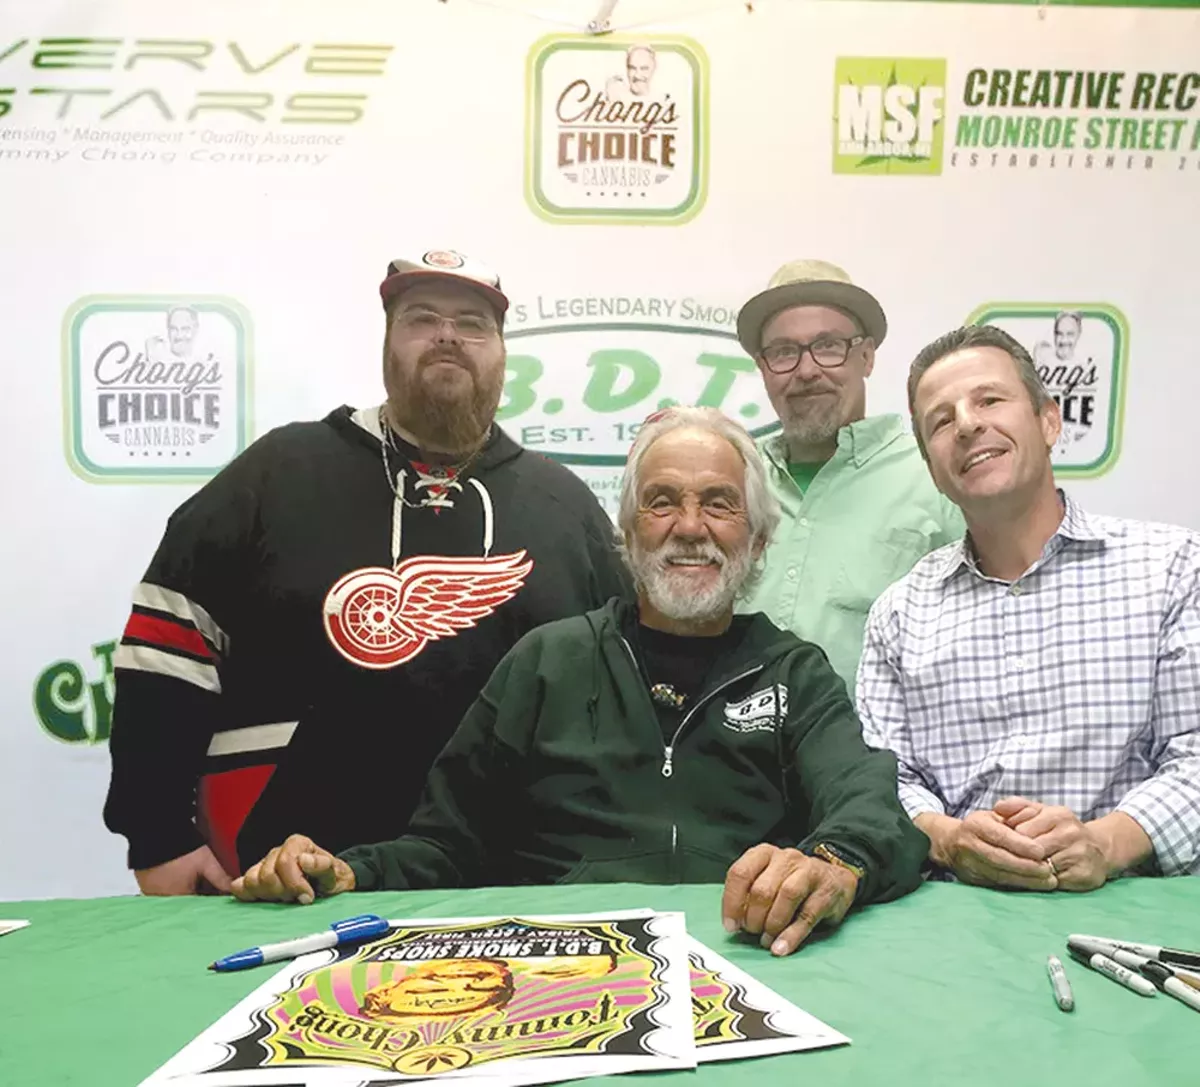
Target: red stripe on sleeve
{"points": [[225, 800], [166, 634]]}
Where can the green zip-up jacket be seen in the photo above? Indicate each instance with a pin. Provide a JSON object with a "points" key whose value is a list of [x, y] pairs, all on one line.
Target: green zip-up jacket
{"points": [[560, 773]]}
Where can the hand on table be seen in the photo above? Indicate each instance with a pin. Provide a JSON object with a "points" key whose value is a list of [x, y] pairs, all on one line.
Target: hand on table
{"points": [[195, 873], [982, 849], [784, 894], [297, 871], [1075, 850]]}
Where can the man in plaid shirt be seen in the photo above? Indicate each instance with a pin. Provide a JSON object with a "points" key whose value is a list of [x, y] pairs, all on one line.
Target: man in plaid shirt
{"points": [[1039, 681]]}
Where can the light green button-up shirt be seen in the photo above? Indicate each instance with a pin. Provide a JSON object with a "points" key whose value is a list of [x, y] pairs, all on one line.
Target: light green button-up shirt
{"points": [[869, 514]]}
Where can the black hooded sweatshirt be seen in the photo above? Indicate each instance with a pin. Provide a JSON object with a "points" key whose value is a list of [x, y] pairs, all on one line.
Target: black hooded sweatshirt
{"points": [[562, 773], [276, 676]]}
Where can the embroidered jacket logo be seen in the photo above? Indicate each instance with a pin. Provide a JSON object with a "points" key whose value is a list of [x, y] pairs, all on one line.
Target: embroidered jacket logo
{"points": [[379, 618], [759, 712]]}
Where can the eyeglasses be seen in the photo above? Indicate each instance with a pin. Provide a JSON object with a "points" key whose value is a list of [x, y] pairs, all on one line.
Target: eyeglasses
{"points": [[469, 327], [828, 352]]}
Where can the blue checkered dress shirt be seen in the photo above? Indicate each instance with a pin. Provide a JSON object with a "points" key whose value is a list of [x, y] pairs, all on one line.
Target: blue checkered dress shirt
{"points": [[1078, 684]]}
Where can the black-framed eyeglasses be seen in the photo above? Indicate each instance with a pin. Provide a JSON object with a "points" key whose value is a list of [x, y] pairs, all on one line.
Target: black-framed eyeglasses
{"points": [[828, 352]]}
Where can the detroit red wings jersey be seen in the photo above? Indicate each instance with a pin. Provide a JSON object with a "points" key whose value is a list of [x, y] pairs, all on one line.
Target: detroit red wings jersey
{"points": [[275, 670], [376, 618]]}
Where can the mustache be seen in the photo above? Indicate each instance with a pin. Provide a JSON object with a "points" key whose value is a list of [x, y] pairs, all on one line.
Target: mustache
{"points": [[812, 388], [443, 353], [708, 552]]}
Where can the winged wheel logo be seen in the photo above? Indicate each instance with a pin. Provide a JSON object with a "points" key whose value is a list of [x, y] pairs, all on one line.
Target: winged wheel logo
{"points": [[379, 618]]}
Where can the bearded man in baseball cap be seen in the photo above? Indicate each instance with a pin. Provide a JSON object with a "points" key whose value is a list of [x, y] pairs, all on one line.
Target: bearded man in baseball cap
{"points": [[341, 591]]}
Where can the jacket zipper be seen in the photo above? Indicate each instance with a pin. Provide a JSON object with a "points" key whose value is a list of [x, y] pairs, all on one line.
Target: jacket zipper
{"points": [[669, 749]]}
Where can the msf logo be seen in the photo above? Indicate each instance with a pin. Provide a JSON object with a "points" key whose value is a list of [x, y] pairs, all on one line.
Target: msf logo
{"points": [[889, 115]]}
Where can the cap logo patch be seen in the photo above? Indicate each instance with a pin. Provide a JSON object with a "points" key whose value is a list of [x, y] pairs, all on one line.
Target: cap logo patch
{"points": [[442, 258]]}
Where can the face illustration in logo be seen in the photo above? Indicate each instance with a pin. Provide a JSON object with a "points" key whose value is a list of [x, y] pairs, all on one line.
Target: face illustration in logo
{"points": [[1067, 327], [183, 323], [437, 989], [640, 62]]}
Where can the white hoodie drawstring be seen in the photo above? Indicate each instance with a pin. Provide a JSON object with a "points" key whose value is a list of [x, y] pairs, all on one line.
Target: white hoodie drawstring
{"points": [[398, 504]]}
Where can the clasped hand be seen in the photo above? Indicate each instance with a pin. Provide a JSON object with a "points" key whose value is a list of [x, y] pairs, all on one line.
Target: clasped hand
{"points": [[1020, 843]]}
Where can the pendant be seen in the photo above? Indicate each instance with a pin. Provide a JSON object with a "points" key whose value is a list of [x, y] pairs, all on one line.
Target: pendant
{"points": [[663, 694]]}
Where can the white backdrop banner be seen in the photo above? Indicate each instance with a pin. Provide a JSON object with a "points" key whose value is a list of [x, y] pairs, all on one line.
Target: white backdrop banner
{"points": [[202, 199]]}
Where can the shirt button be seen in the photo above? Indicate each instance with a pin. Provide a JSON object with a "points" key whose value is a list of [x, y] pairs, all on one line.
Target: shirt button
{"points": [[1016, 590], [1019, 664], [804, 522], [791, 573]]}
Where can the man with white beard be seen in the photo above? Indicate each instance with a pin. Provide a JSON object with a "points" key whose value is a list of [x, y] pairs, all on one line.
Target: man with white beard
{"points": [[664, 742]]}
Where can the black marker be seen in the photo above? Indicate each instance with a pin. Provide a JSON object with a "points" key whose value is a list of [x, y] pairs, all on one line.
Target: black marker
{"points": [[1172, 955], [1164, 977], [1102, 964]]}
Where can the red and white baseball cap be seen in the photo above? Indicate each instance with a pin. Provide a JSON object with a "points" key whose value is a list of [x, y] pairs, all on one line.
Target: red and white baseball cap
{"points": [[405, 272]]}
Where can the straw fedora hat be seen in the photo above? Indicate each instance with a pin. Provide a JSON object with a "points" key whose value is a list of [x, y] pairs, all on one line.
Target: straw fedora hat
{"points": [[809, 283]]}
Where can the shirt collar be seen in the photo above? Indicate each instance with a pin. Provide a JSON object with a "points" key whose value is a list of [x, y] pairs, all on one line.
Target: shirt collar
{"points": [[368, 419], [1076, 526], [958, 554], [857, 442]]}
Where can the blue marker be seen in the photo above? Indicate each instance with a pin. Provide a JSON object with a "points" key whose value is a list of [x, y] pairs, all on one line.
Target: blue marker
{"points": [[349, 931]]}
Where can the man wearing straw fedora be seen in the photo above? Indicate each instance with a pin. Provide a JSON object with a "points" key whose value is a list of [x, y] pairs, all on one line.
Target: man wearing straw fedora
{"points": [[858, 507]]}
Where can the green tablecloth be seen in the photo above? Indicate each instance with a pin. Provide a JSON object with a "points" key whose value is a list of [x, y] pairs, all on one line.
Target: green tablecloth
{"points": [[947, 986]]}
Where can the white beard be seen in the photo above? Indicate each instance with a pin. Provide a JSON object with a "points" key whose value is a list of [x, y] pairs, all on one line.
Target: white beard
{"points": [[672, 594]]}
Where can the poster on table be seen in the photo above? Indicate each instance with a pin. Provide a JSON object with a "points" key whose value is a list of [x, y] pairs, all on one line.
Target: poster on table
{"points": [[509, 1000], [736, 1016]]}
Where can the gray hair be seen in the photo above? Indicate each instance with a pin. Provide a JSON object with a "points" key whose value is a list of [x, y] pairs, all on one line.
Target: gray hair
{"points": [[959, 340], [762, 507]]}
